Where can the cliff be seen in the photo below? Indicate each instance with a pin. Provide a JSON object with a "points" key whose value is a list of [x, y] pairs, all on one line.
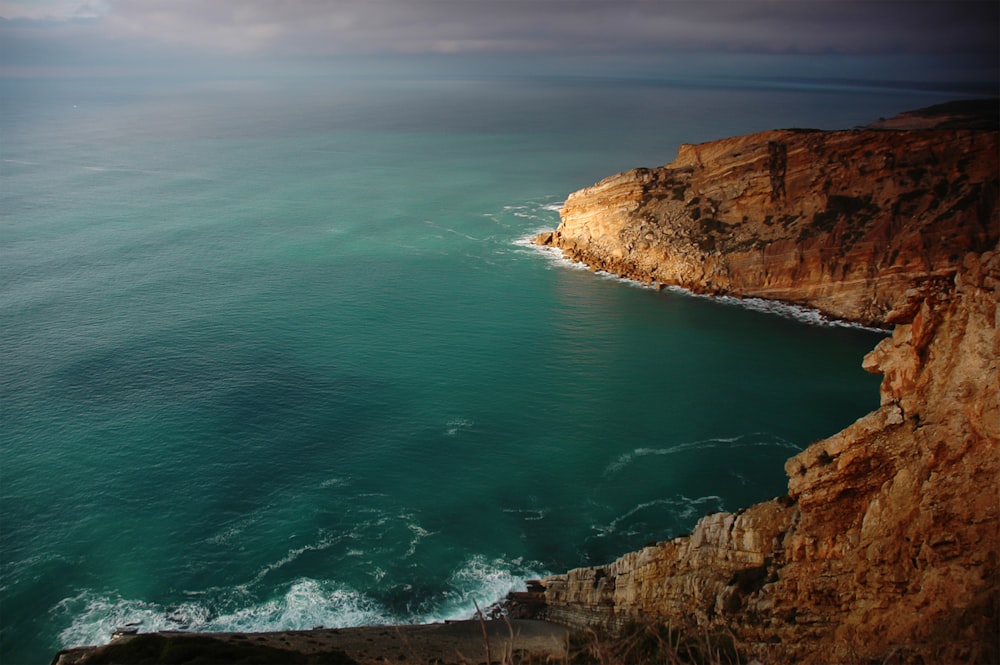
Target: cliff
{"points": [[886, 545], [857, 223]]}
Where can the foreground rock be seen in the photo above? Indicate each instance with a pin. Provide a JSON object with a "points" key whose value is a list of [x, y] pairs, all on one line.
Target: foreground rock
{"points": [[453, 642], [887, 544]]}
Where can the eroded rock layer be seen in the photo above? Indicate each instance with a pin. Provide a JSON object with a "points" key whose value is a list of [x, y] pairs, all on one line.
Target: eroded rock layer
{"points": [[886, 546], [854, 223]]}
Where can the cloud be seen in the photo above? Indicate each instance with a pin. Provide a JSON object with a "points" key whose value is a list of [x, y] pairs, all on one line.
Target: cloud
{"points": [[321, 27], [802, 26], [52, 10]]}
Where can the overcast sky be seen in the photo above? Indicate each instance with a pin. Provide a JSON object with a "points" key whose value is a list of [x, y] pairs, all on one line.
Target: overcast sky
{"points": [[36, 35]]}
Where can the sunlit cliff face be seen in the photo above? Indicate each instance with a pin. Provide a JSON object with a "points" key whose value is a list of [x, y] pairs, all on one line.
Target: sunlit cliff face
{"points": [[853, 223]]}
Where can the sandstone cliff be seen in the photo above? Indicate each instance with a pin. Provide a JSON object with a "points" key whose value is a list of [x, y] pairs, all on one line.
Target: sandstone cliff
{"points": [[855, 223], [886, 546]]}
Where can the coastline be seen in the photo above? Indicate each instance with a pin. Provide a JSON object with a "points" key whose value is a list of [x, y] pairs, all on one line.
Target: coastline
{"points": [[765, 572], [788, 310], [452, 641], [884, 546]]}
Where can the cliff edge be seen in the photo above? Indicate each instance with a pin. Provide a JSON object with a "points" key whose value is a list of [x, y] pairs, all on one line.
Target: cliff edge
{"points": [[856, 223], [886, 546]]}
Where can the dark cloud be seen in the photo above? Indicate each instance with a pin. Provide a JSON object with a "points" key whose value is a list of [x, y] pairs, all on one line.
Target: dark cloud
{"points": [[321, 27]]}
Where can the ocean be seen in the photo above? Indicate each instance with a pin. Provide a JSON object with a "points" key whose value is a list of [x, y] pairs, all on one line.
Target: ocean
{"points": [[277, 354]]}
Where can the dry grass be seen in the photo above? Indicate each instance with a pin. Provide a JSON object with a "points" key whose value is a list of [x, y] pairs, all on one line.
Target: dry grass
{"points": [[654, 644]]}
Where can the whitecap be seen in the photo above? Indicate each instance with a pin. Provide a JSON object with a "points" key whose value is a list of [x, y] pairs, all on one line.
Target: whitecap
{"points": [[419, 534], [97, 616], [457, 425], [484, 582], [291, 555], [305, 604]]}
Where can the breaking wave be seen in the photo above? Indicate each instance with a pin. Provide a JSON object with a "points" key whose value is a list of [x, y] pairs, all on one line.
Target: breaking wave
{"points": [[306, 603], [786, 310]]}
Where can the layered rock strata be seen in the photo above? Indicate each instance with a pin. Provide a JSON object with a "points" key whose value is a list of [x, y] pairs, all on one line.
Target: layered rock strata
{"points": [[855, 223], [886, 546]]}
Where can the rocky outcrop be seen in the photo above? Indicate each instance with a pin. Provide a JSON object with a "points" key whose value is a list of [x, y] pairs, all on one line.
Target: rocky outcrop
{"points": [[889, 539], [886, 547], [856, 223], [450, 642]]}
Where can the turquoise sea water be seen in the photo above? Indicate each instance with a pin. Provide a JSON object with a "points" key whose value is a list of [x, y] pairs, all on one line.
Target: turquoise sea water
{"points": [[276, 355]]}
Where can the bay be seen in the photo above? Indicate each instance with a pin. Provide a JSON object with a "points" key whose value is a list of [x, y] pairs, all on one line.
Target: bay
{"points": [[277, 354]]}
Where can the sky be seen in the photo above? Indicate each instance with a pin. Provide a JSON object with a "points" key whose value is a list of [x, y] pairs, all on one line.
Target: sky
{"points": [[939, 39]]}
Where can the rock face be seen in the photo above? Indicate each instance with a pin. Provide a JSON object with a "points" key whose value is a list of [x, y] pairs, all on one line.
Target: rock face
{"points": [[887, 544], [857, 223]]}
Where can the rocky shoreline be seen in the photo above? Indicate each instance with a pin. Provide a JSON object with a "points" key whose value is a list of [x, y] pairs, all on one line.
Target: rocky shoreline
{"points": [[450, 642], [886, 545]]}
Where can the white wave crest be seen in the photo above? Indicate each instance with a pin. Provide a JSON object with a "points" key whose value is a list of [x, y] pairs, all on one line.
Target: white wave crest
{"points": [[326, 541], [789, 311], [483, 581], [307, 603], [457, 425], [419, 533]]}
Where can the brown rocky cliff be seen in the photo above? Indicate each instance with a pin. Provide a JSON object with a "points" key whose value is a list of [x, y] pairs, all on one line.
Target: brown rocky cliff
{"points": [[854, 223], [887, 546], [888, 542]]}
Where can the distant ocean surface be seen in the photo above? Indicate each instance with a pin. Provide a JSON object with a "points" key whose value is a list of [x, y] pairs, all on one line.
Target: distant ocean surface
{"points": [[277, 354]]}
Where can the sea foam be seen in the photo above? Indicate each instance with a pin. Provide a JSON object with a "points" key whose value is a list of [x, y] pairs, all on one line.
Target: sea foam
{"points": [[682, 507], [786, 310], [755, 440], [484, 582], [307, 603]]}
